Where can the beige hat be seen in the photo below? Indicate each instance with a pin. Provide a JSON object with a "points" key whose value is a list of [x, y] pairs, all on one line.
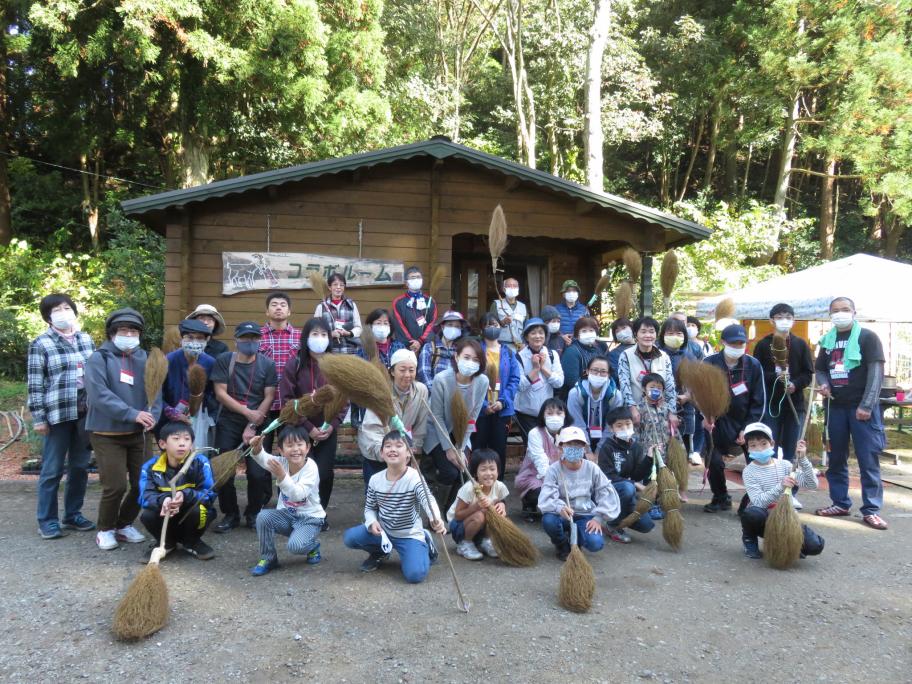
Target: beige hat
{"points": [[209, 310], [571, 434]]}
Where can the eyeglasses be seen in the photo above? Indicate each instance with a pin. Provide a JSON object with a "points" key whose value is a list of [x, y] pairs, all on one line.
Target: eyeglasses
{"points": [[600, 373]]}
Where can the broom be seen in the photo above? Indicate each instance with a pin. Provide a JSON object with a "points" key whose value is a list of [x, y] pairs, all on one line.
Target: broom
{"points": [[460, 414], [644, 503], [633, 262], [623, 300], [603, 283], [144, 608], [709, 390], [319, 285], [670, 501], [172, 339], [196, 380], [779, 350], [725, 309], [362, 382], [369, 343], [154, 375], [668, 276], [577, 580], [497, 243], [677, 462]]}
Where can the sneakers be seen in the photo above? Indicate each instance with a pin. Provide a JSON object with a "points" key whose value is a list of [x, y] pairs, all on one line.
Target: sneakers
{"points": [[264, 566], [656, 513], [832, 512], [314, 556], [875, 521], [486, 546], [199, 550], [106, 540], [797, 505], [372, 562], [79, 522], [227, 523], [619, 536], [433, 553], [718, 503], [130, 535], [467, 550], [51, 530], [752, 549], [695, 458]]}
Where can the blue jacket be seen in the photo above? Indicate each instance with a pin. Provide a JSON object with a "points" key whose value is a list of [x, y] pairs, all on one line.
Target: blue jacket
{"points": [[747, 407], [569, 316], [508, 376], [196, 484], [575, 359], [176, 388]]}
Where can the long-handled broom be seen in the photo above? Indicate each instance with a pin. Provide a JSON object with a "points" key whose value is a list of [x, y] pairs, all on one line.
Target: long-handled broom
{"points": [[623, 300], [144, 608], [677, 462], [497, 243], [709, 390], [779, 350], [196, 381], [577, 580], [668, 276]]}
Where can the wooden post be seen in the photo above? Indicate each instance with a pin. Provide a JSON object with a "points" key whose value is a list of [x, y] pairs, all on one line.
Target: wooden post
{"points": [[186, 265], [646, 286]]}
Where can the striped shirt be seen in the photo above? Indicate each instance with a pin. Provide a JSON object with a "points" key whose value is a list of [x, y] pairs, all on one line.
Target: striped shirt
{"points": [[764, 483], [279, 345], [398, 505]]}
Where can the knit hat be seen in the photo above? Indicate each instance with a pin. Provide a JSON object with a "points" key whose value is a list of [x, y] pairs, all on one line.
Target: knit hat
{"points": [[568, 284], [127, 316], [549, 313], [191, 325], [401, 355], [209, 310]]}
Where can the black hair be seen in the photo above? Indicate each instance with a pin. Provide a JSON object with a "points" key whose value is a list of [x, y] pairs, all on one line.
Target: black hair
{"points": [[412, 269], [50, 301], [461, 344], [174, 427], [675, 325], [647, 321], [841, 299], [480, 456], [553, 403], [487, 319], [309, 327], [620, 323], [334, 277], [693, 320], [652, 377], [598, 357], [294, 433], [375, 315], [620, 413], [782, 308], [396, 436], [277, 295]]}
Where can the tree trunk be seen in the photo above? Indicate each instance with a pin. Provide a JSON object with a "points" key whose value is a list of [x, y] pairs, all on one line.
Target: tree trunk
{"points": [[194, 159], [788, 151], [827, 231], [894, 228], [6, 223], [713, 139], [593, 137], [693, 158], [90, 196], [747, 166]]}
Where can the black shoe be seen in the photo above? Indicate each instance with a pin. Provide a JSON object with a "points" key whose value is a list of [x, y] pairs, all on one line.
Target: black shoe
{"points": [[725, 503], [718, 503], [227, 524], [373, 561], [250, 523], [325, 526], [563, 551], [199, 549], [712, 507]]}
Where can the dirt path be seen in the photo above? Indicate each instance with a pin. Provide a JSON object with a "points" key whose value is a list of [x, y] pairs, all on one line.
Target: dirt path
{"points": [[703, 615]]}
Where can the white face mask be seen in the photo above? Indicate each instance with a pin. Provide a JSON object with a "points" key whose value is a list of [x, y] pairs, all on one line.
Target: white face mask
{"points": [[571, 297], [451, 332], [511, 292], [693, 331], [624, 336], [381, 332], [842, 319], [63, 320], [587, 338], [597, 381], [467, 368], [125, 343], [554, 423], [624, 434], [734, 353], [414, 284], [554, 327], [317, 345], [783, 324]]}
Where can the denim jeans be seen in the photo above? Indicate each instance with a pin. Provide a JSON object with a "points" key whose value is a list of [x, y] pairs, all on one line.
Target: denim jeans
{"points": [[68, 443], [869, 440], [558, 529], [627, 493], [413, 554]]}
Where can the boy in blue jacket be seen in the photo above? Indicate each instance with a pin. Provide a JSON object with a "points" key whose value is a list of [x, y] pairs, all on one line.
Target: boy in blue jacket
{"points": [[191, 506]]}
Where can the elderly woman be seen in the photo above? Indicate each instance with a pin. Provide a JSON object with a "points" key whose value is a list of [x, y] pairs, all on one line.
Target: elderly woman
{"points": [[540, 374], [341, 316], [640, 360], [410, 399], [57, 402]]}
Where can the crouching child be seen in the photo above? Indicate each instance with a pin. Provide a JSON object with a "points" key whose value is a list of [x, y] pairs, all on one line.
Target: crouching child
{"points": [[467, 514], [395, 500], [592, 500], [765, 479], [191, 508], [298, 514]]}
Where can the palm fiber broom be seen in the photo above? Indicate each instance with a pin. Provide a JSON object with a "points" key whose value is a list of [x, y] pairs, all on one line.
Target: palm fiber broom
{"points": [[677, 462], [319, 285], [623, 300], [668, 276], [196, 381], [144, 608], [646, 501], [154, 375], [172, 339], [725, 309], [670, 501], [780, 351], [577, 580], [603, 284], [709, 388], [633, 262]]}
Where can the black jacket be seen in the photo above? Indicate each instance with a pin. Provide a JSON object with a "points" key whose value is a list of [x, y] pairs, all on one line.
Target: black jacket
{"points": [[621, 460], [800, 367]]}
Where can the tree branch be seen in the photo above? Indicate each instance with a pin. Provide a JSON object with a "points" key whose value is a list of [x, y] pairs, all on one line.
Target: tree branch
{"points": [[838, 176]]}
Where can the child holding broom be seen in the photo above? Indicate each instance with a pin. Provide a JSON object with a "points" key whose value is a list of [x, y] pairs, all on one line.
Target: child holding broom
{"points": [[298, 515], [593, 502], [765, 480], [191, 507], [392, 515], [467, 514], [541, 452]]}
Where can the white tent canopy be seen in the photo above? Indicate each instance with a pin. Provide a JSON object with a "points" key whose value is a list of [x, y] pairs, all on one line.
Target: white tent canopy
{"points": [[879, 287]]}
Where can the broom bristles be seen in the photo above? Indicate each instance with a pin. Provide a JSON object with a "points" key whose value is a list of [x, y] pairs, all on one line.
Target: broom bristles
{"points": [[144, 608], [497, 235], [677, 462], [708, 385], [783, 536], [196, 380], [577, 583], [644, 503], [623, 300], [669, 274], [669, 498], [154, 374], [513, 547], [779, 349], [334, 406], [460, 414], [603, 284], [171, 340], [223, 466], [360, 381], [318, 284], [633, 262], [295, 409], [369, 343], [673, 528], [725, 309]]}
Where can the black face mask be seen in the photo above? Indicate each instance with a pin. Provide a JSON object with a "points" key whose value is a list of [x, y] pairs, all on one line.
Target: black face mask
{"points": [[491, 332]]}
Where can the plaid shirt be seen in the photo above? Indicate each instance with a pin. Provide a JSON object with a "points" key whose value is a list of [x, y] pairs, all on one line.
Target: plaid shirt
{"points": [[52, 376], [433, 359], [279, 345]]}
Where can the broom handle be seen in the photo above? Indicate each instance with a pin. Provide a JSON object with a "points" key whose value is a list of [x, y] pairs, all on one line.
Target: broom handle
{"points": [[807, 415], [449, 442], [573, 532], [173, 482]]}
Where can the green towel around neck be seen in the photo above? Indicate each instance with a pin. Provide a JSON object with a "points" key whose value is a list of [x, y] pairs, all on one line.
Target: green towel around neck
{"points": [[852, 355]]}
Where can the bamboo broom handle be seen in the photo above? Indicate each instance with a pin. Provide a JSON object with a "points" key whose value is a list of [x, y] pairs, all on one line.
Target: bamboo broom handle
{"points": [[807, 415], [449, 442], [156, 557]]}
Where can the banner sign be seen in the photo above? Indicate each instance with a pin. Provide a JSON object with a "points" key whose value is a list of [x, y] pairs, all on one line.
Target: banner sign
{"points": [[247, 271]]}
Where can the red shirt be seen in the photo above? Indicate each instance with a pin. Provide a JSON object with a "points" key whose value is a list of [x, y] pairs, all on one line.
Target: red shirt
{"points": [[279, 345]]}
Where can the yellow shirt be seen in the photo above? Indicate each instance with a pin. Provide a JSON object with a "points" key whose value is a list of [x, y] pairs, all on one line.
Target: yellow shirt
{"points": [[493, 372]]}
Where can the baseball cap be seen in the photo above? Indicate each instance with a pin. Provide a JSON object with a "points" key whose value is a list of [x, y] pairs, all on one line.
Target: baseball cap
{"points": [[248, 328], [734, 333], [571, 434], [753, 428]]}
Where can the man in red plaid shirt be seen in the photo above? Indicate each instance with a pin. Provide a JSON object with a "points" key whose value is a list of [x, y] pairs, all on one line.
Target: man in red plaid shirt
{"points": [[280, 342]]}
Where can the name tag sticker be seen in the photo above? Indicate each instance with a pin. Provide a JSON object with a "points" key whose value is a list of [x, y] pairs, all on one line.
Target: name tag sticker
{"points": [[595, 431], [642, 375], [421, 320], [340, 325], [80, 371], [497, 387], [739, 388], [126, 377]]}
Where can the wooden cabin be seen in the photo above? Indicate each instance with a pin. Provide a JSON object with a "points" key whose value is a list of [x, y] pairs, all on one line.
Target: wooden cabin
{"points": [[427, 203]]}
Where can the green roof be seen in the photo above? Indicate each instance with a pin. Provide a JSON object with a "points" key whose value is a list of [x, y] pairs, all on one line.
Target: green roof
{"points": [[438, 148]]}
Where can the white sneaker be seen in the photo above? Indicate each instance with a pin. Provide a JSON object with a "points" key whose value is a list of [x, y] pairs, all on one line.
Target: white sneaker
{"points": [[467, 550], [695, 459], [106, 540], [796, 504], [487, 548], [130, 534]]}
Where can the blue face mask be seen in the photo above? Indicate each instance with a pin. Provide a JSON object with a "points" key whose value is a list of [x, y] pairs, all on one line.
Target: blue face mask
{"points": [[573, 454], [655, 393], [762, 456]]}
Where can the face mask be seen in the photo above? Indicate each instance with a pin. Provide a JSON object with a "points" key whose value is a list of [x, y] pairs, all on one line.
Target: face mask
{"points": [[317, 345], [673, 341], [248, 348], [597, 381], [414, 284], [783, 324], [492, 332], [193, 347], [554, 423], [573, 454], [381, 332], [587, 338], [63, 320], [693, 331], [125, 343], [655, 394], [467, 368], [842, 319], [512, 292], [624, 434], [624, 336], [452, 333], [554, 327], [734, 353], [762, 456], [571, 297]]}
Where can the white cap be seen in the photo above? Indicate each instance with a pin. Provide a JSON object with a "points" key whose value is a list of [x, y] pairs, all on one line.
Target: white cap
{"points": [[571, 434], [759, 427], [401, 355]]}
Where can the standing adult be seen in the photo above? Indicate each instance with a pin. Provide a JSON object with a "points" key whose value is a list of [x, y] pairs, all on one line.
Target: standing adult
{"points": [[118, 419], [693, 334], [576, 357], [414, 314], [540, 375], [280, 341], [641, 359], [622, 339], [673, 341], [176, 390], [437, 355], [694, 346], [245, 387], [511, 313], [57, 401], [748, 399], [570, 309], [850, 368], [387, 344], [551, 316], [341, 315], [208, 314]]}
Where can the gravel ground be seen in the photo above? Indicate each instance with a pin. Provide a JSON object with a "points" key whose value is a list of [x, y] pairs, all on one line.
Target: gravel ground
{"points": [[705, 614]]}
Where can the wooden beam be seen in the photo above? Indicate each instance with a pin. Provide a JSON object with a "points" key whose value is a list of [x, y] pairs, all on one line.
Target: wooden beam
{"points": [[434, 241], [186, 266], [511, 183], [646, 286]]}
